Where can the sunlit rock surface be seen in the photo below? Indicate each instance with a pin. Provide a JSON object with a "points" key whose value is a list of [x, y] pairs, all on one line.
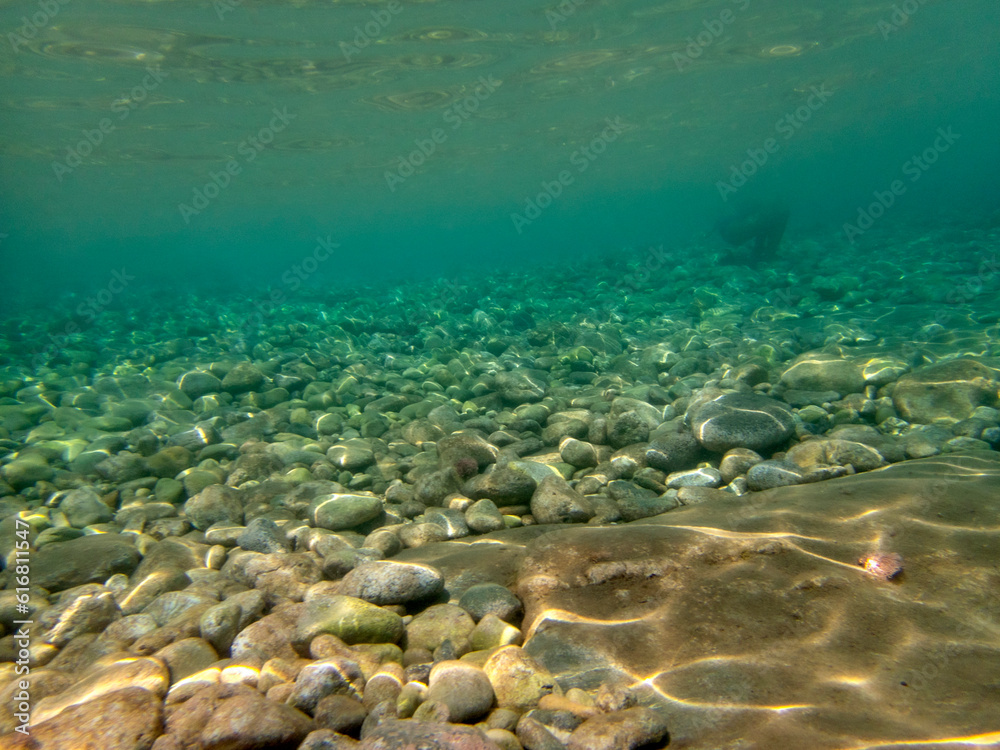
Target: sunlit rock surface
{"points": [[750, 622]]}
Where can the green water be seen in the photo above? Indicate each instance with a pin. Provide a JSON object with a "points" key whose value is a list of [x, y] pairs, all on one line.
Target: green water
{"points": [[422, 136]]}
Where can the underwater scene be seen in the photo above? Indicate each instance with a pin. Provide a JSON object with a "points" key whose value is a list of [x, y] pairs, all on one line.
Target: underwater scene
{"points": [[536, 375]]}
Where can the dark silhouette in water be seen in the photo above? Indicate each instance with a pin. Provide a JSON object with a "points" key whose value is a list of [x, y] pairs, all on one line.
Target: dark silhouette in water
{"points": [[764, 223]]}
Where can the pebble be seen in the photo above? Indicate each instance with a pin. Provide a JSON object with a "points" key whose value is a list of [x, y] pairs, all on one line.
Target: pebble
{"points": [[519, 682], [340, 713], [262, 535], [554, 501], [741, 420], [504, 485], [463, 688], [483, 516], [815, 454], [701, 477], [106, 676], [87, 559], [124, 719], [338, 512], [737, 462], [492, 632], [216, 503], [578, 453], [436, 625], [485, 599], [385, 582], [620, 730], [774, 473], [350, 619], [816, 371], [421, 534], [243, 377], [635, 502], [325, 677], [325, 739], [89, 613], [533, 735], [235, 716], [83, 507], [395, 734], [948, 391]]}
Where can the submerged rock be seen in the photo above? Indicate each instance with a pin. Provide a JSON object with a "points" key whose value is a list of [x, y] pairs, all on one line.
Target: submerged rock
{"points": [[742, 420], [947, 391]]}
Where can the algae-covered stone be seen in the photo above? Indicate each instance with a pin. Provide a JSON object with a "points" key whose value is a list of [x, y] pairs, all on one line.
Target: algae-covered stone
{"points": [[262, 535], [338, 512], [420, 534], [578, 453], [197, 383], [483, 516], [437, 624], [946, 391], [521, 386], [461, 445], [491, 598], [554, 501], [636, 502], [817, 371], [353, 455], [88, 559], [25, 470], [351, 619], [504, 485], [815, 454], [216, 503], [243, 377], [519, 682], [396, 734], [83, 507]]}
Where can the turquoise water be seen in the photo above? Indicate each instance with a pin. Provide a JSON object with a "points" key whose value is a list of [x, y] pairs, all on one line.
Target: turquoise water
{"points": [[516, 95], [673, 322]]}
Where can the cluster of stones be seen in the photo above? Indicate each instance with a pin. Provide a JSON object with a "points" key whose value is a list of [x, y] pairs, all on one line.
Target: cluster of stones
{"points": [[192, 519], [170, 654], [212, 454]]}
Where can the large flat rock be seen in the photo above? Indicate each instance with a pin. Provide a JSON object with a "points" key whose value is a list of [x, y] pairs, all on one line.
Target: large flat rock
{"points": [[750, 622]]}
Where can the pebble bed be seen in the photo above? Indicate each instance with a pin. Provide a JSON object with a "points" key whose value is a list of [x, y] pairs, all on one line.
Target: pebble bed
{"points": [[216, 485]]}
